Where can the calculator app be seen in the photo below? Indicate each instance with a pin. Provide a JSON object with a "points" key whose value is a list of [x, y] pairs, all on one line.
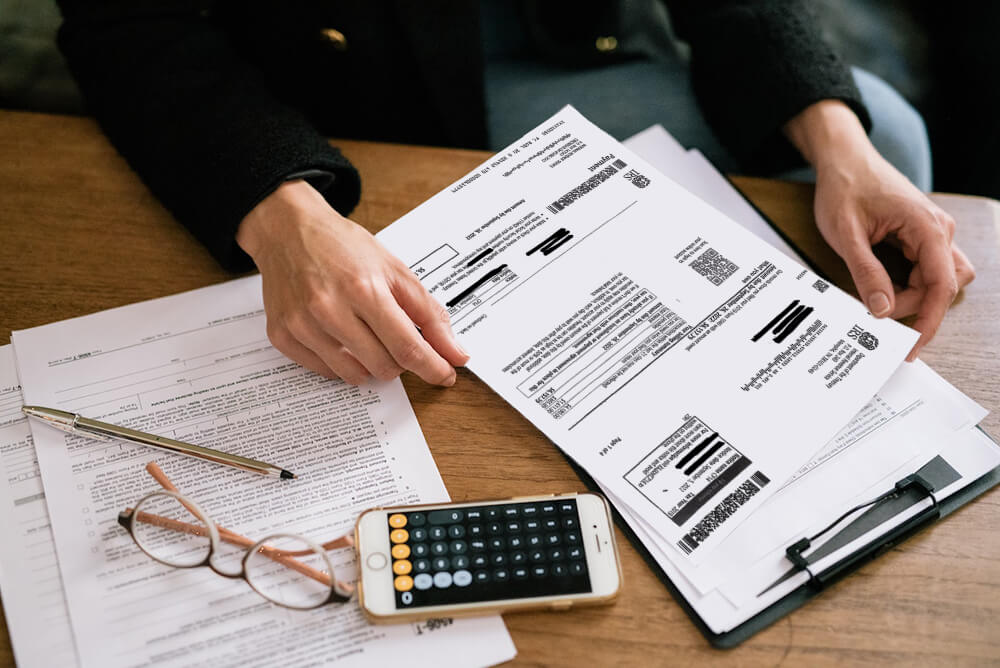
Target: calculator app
{"points": [[487, 553]]}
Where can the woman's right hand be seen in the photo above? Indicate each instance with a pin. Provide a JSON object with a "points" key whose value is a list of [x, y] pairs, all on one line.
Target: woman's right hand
{"points": [[339, 303]]}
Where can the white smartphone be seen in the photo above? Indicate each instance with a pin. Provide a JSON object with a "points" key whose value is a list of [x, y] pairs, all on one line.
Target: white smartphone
{"points": [[476, 558]]}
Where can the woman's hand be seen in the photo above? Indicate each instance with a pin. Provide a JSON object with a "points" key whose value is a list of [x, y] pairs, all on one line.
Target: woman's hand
{"points": [[862, 200], [337, 302]]}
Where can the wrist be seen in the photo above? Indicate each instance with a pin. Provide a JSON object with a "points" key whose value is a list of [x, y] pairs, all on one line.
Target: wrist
{"points": [[274, 212], [829, 136]]}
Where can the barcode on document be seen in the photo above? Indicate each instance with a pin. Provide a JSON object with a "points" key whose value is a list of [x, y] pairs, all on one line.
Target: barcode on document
{"points": [[716, 268], [588, 185], [722, 512]]}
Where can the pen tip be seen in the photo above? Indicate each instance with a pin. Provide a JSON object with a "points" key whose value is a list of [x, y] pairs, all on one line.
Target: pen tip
{"points": [[287, 474]]}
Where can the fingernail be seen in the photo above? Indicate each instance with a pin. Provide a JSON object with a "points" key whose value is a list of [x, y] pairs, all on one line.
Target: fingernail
{"points": [[878, 304], [461, 349], [451, 381]]}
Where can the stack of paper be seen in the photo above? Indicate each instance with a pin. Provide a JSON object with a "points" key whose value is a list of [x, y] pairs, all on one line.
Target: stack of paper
{"points": [[198, 367], [700, 373]]}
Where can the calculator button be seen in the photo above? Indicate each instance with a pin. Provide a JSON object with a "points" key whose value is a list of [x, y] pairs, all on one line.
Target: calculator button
{"points": [[480, 560], [576, 567], [403, 583], [482, 577], [476, 530], [567, 507], [458, 531], [439, 548], [421, 565], [574, 552], [494, 528], [517, 557], [441, 563], [459, 547], [442, 580], [548, 508], [529, 511], [552, 539], [493, 514], [534, 540], [514, 527], [501, 574], [462, 578], [551, 523], [569, 523], [539, 571], [555, 554], [401, 567], [473, 515], [445, 516], [417, 519], [401, 551], [438, 533], [477, 545], [498, 559], [418, 535], [423, 581], [532, 525], [572, 537], [559, 570], [420, 549], [459, 562], [397, 521], [399, 536], [520, 573], [515, 542], [496, 543], [536, 555], [510, 512]]}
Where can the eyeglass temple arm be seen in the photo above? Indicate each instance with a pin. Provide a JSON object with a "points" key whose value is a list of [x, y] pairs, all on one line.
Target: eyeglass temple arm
{"points": [[284, 557]]}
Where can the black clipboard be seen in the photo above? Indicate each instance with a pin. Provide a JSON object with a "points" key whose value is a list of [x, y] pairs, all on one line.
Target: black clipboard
{"points": [[907, 492]]}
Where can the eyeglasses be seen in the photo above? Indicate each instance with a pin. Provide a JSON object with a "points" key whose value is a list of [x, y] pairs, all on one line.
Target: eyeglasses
{"points": [[286, 569]]}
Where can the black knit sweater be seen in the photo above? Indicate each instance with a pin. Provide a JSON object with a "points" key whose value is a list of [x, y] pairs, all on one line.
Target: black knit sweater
{"points": [[214, 104]]}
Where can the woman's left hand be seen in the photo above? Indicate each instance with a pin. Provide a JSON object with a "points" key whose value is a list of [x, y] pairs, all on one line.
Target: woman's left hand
{"points": [[862, 200]]}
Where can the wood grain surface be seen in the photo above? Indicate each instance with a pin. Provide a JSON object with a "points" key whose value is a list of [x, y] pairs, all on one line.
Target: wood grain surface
{"points": [[80, 233]]}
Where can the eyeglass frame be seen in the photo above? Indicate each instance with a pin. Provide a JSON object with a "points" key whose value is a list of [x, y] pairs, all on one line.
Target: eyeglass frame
{"points": [[216, 534]]}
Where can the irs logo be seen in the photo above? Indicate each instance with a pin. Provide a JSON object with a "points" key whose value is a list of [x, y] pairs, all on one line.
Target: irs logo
{"points": [[866, 340]]}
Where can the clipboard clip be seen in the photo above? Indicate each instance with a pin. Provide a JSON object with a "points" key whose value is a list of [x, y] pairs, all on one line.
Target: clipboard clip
{"points": [[818, 580]]}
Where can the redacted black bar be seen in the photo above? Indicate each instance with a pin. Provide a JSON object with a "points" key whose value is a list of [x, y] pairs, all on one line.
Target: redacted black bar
{"points": [[472, 288], [699, 500]]}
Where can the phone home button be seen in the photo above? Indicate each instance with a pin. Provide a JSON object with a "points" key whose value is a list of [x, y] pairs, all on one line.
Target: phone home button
{"points": [[377, 561]]}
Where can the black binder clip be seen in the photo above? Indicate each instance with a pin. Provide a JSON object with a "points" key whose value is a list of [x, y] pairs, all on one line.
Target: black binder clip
{"points": [[917, 480], [794, 554]]}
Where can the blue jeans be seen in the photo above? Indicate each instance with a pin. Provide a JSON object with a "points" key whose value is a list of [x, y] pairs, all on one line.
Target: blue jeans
{"points": [[628, 97]]}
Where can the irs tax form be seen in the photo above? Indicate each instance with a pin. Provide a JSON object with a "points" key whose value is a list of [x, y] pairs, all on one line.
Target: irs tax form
{"points": [[688, 366], [198, 367]]}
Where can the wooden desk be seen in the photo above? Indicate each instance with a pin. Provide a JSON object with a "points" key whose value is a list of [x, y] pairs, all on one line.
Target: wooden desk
{"points": [[80, 234]]}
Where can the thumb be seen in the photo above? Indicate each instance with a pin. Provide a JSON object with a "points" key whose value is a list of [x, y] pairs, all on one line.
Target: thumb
{"points": [[870, 277]]}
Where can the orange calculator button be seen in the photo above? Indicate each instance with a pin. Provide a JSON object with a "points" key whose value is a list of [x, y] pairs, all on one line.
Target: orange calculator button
{"points": [[403, 583], [401, 567], [400, 551], [399, 536], [397, 521]]}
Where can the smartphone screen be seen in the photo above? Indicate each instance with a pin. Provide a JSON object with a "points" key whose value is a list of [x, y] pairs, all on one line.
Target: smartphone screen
{"points": [[487, 553]]}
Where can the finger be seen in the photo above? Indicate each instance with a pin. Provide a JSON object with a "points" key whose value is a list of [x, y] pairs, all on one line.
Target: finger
{"points": [[908, 302], [352, 332], [965, 273], [870, 277], [937, 270], [303, 334], [401, 338], [432, 319]]}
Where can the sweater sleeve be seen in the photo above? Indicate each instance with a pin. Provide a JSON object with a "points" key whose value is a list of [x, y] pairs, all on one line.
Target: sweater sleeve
{"points": [[191, 118], [754, 65]]}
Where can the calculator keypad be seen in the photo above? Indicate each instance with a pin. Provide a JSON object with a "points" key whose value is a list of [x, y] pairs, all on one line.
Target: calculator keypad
{"points": [[459, 555]]}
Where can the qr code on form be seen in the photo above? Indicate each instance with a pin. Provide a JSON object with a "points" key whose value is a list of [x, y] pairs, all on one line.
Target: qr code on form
{"points": [[714, 267]]}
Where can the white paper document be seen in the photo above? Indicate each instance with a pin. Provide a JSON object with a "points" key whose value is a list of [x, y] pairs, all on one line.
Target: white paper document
{"points": [[30, 584], [198, 367], [685, 364]]}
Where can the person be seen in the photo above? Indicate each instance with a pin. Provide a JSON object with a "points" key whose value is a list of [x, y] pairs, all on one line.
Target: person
{"points": [[221, 107]]}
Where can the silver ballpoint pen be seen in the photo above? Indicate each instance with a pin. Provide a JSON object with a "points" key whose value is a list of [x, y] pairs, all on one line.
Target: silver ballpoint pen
{"points": [[77, 424]]}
